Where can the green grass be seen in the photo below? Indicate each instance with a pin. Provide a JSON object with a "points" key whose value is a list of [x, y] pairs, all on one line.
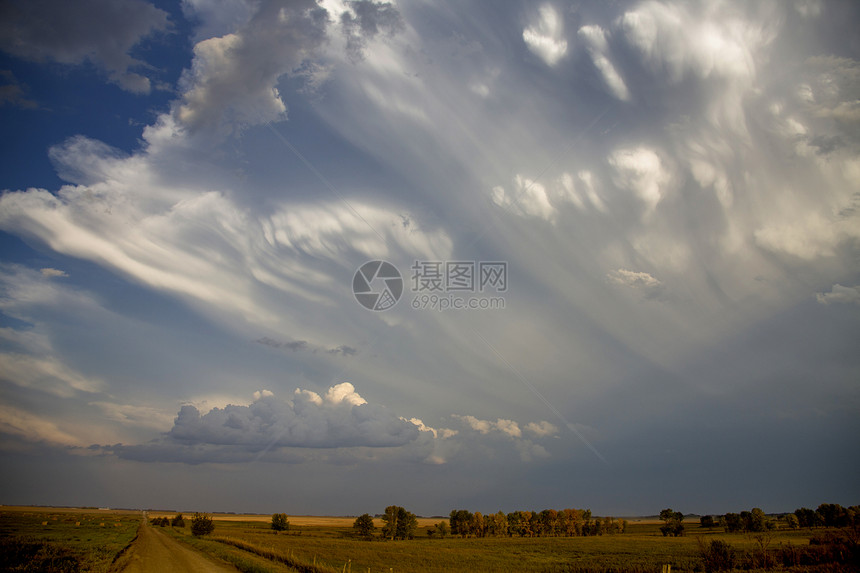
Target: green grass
{"points": [[63, 541], [641, 550]]}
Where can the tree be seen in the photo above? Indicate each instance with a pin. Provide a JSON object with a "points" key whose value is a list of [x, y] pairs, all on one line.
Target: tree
{"points": [[177, 521], [280, 522], [407, 523], [363, 524], [478, 524], [201, 524], [757, 521], [791, 521], [499, 524], [461, 522], [732, 522], [442, 529], [707, 521], [672, 523], [806, 517], [399, 523]]}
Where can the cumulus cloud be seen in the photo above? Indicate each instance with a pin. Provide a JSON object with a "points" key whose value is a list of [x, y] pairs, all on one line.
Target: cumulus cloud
{"points": [[541, 429], [340, 418], [840, 295], [545, 37], [511, 433], [595, 41], [100, 31], [233, 78]]}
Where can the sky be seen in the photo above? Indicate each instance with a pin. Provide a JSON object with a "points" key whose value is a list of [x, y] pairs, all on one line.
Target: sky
{"points": [[613, 247]]}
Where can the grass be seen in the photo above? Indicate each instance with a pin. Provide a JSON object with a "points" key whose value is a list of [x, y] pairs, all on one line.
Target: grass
{"points": [[49, 541], [327, 549], [79, 542]]}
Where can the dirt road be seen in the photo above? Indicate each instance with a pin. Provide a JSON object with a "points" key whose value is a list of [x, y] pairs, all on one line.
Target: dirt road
{"points": [[155, 552]]}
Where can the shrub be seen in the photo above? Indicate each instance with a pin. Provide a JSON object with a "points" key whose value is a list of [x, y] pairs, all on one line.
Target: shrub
{"points": [[177, 521], [280, 522], [363, 524], [716, 555], [201, 524]]}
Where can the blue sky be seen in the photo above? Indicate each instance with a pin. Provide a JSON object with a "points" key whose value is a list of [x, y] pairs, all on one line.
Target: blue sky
{"points": [[189, 190]]}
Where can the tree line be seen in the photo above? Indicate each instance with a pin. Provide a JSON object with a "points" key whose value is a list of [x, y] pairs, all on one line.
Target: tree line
{"points": [[755, 520], [402, 524], [545, 523]]}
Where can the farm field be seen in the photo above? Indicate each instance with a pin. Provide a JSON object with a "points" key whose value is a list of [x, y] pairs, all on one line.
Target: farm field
{"points": [[89, 540], [333, 547], [64, 539]]}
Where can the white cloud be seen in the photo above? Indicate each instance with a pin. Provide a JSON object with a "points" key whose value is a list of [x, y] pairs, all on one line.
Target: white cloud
{"points": [[598, 48], [53, 273], [587, 179], [840, 295], [341, 419], [529, 198], [507, 427], [642, 281], [541, 429], [259, 394], [100, 31], [233, 78], [545, 38], [640, 170]]}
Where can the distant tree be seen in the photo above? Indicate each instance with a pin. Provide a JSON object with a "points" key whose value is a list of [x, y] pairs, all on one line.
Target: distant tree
{"points": [[201, 524], [442, 529], [399, 523], [479, 524], [407, 523], [707, 521], [389, 518], [732, 522], [280, 522], [672, 523], [499, 524], [461, 522], [832, 515], [177, 521], [791, 521], [756, 521], [586, 522], [363, 524], [806, 517]]}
